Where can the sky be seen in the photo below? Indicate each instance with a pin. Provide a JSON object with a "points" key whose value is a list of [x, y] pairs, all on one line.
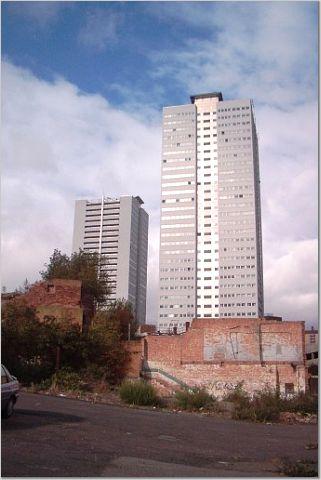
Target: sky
{"points": [[83, 87]]}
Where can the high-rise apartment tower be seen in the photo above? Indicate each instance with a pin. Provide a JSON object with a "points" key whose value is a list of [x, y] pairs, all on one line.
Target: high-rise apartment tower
{"points": [[118, 229], [210, 236]]}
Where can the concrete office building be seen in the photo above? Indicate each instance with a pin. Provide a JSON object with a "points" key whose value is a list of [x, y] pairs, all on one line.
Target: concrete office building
{"points": [[118, 229], [210, 235]]}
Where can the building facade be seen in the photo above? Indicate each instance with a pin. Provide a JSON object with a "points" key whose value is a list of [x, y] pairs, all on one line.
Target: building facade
{"points": [[210, 235], [117, 228]]}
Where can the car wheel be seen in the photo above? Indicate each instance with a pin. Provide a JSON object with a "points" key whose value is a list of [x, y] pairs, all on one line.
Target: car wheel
{"points": [[8, 411]]}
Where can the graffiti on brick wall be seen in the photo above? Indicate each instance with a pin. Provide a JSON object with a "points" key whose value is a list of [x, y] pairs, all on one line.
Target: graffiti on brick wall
{"points": [[222, 386]]}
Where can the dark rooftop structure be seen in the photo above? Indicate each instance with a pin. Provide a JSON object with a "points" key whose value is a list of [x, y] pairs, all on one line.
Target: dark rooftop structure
{"points": [[139, 200], [207, 95]]}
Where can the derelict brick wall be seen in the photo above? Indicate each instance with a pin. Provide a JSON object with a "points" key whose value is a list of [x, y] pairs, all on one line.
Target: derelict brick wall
{"points": [[220, 379], [135, 350], [66, 292], [60, 312], [220, 353], [164, 348]]}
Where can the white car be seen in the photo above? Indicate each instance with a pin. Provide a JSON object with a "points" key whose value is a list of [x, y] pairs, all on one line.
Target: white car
{"points": [[9, 392]]}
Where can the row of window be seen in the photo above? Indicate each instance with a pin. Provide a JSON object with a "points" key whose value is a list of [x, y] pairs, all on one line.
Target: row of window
{"points": [[206, 113], [177, 269], [178, 225], [176, 192], [232, 109], [178, 234], [231, 314], [175, 306], [233, 295], [176, 217], [172, 160], [177, 208], [184, 168], [235, 187], [175, 152], [239, 115], [212, 121], [163, 244], [207, 306], [178, 114], [172, 297], [249, 275], [206, 135], [232, 267], [237, 305], [237, 257], [181, 287]]}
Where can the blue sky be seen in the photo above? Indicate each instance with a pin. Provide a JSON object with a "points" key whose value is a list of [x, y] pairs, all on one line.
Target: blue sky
{"points": [[112, 45], [104, 46], [83, 87]]}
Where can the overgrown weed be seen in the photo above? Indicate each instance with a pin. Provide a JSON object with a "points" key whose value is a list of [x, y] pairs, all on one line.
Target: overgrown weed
{"points": [[194, 399]]}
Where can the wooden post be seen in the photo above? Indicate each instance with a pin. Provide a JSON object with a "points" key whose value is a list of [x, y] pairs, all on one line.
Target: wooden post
{"points": [[57, 358]]}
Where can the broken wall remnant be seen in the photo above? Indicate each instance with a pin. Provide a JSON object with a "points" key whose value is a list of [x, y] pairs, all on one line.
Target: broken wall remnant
{"points": [[218, 354], [58, 298]]}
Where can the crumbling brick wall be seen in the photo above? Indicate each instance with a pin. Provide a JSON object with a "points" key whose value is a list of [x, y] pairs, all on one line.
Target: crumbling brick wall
{"points": [[54, 292], [135, 350], [218, 354], [59, 298]]}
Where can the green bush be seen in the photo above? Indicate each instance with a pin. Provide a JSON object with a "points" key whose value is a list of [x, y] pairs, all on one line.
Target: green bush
{"points": [[194, 399], [66, 379], [138, 393]]}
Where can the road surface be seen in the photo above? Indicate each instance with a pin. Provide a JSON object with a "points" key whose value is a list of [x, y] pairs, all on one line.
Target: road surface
{"points": [[54, 436]]}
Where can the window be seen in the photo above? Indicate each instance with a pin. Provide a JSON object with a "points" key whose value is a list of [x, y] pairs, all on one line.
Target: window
{"points": [[288, 388], [51, 288]]}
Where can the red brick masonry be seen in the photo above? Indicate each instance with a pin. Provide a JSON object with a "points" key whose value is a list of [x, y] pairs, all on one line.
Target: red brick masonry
{"points": [[55, 292], [219, 353], [58, 298]]}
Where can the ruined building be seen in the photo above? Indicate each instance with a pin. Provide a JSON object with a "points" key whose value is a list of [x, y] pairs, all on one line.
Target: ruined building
{"points": [[222, 354], [59, 298]]}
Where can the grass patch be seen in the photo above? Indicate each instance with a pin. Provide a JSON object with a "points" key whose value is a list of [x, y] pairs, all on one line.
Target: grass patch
{"points": [[139, 393], [194, 399]]}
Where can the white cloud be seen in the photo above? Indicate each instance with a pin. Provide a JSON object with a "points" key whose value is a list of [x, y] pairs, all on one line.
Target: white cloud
{"points": [[291, 282], [263, 50], [58, 145], [288, 162], [100, 29]]}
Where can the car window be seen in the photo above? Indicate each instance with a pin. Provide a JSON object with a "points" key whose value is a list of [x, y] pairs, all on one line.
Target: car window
{"points": [[4, 377]]}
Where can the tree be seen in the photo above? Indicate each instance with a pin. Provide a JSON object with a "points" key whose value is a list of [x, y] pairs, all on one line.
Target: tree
{"points": [[121, 312], [109, 352], [30, 346], [27, 344], [84, 266]]}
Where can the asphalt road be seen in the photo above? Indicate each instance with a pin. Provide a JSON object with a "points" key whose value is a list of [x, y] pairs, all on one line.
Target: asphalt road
{"points": [[51, 436]]}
